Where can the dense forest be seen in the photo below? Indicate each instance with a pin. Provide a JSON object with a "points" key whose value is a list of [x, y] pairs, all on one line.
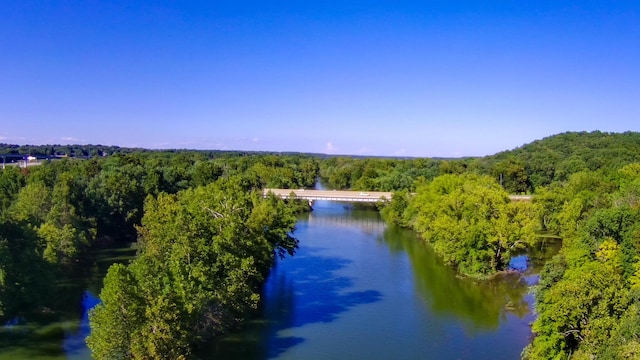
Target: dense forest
{"points": [[519, 171], [206, 237], [194, 218]]}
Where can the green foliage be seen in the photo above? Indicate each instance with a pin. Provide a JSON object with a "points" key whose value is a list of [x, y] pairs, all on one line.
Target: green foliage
{"points": [[62, 233], [207, 239], [587, 296], [527, 169], [556, 158], [25, 278], [393, 211], [32, 203], [54, 215], [513, 175], [120, 307], [377, 174], [581, 308], [203, 255], [471, 222], [11, 181], [117, 194]]}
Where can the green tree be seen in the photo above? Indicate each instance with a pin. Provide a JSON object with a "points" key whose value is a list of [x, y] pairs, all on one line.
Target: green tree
{"points": [[204, 254], [580, 309], [513, 175], [11, 181], [116, 320], [25, 279], [32, 204], [471, 222], [393, 211]]}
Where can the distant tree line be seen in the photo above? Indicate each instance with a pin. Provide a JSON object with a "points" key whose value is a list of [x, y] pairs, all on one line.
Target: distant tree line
{"points": [[522, 170], [64, 150]]}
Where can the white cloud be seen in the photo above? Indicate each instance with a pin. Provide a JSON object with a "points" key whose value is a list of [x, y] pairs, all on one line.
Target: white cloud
{"points": [[13, 139], [255, 139], [70, 139], [329, 148]]}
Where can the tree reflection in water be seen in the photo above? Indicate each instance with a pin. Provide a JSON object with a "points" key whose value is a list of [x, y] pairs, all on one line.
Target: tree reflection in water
{"points": [[479, 304]]}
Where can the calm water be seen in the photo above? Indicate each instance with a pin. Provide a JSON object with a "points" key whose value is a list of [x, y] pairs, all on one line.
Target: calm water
{"points": [[355, 290], [359, 290]]}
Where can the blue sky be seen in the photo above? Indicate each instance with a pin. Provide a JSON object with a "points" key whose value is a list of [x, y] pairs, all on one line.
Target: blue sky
{"points": [[412, 78]]}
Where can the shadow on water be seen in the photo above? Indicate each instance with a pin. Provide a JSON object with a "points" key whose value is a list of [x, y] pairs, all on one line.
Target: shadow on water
{"points": [[302, 290]]}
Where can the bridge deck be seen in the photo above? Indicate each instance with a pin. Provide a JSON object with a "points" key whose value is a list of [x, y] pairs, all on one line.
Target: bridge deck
{"points": [[333, 195], [351, 196]]}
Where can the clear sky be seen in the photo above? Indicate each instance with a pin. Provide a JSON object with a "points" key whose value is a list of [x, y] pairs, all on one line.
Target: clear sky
{"points": [[413, 78]]}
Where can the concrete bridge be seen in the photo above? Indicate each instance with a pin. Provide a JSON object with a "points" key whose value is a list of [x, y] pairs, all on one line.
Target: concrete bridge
{"points": [[350, 196], [332, 195]]}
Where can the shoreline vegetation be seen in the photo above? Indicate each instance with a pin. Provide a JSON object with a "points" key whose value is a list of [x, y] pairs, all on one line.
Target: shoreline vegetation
{"points": [[200, 215], [469, 220]]}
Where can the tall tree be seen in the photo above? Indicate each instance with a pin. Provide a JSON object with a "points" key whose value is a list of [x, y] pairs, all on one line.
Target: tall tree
{"points": [[204, 253], [471, 222]]}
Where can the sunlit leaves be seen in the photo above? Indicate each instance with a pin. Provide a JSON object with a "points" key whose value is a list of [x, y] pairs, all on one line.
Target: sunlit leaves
{"points": [[203, 255], [116, 321], [588, 295], [578, 308], [471, 222]]}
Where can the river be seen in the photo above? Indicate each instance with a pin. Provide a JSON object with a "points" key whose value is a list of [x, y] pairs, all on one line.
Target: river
{"points": [[356, 289]]}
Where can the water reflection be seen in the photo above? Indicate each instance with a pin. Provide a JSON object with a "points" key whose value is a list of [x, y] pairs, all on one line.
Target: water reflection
{"points": [[57, 336], [479, 305], [56, 325], [368, 224]]}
